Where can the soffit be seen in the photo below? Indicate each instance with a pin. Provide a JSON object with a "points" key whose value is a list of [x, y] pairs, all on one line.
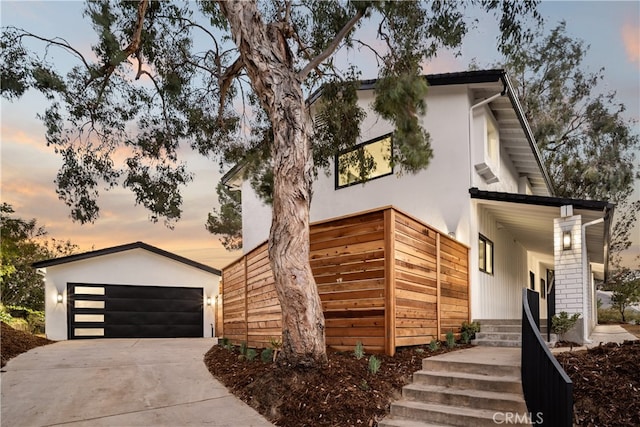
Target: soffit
{"points": [[532, 226], [513, 137]]}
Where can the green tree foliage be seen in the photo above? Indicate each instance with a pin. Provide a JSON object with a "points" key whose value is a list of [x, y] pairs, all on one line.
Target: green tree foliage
{"points": [[23, 243], [625, 285], [230, 79], [586, 143], [227, 221]]}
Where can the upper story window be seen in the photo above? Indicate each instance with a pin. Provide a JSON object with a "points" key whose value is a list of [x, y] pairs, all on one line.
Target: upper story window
{"points": [[367, 161]]}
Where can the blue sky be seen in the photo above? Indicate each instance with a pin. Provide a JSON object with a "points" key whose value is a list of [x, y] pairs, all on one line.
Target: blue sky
{"points": [[612, 29]]}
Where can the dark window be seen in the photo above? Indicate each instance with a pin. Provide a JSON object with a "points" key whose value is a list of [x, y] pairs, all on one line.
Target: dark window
{"points": [[364, 162], [485, 253], [532, 281], [543, 288]]}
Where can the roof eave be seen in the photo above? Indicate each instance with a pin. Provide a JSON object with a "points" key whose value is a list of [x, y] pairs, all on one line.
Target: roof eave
{"points": [[122, 248]]}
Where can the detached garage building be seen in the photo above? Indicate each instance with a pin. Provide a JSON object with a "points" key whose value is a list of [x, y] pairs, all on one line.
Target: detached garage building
{"points": [[129, 291]]}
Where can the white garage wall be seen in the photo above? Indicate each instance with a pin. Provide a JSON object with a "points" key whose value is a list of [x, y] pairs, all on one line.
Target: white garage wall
{"points": [[132, 267]]}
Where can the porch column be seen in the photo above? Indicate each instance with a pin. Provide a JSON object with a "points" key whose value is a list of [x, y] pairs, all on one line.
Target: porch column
{"points": [[569, 270]]}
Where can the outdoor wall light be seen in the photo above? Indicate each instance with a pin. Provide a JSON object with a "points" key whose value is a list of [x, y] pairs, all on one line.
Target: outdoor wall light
{"points": [[208, 300], [59, 298], [566, 240]]}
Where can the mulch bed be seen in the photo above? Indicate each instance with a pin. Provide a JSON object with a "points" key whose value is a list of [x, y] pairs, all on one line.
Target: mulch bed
{"points": [[343, 393], [606, 384], [13, 343]]}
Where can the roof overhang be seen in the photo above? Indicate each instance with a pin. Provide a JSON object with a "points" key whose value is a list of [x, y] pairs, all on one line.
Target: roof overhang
{"points": [[515, 134], [530, 220], [123, 248]]}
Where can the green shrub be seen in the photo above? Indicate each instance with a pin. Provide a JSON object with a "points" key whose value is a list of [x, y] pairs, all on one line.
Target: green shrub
{"points": [[562, 323], [36, 322], [224, 342], [465, 337], [434, 345], [359, 350], [251, 354], [243, 348], [267, 355], [610, 315], [19, 324], [470, 328], [419, 350], [5, 316], [451, 339], [374, 364]]}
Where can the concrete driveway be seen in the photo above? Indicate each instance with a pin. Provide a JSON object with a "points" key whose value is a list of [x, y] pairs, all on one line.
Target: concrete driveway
{"points": [[119, 382]]}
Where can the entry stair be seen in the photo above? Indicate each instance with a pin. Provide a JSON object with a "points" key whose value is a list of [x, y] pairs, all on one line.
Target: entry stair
{"points": [[505, 333], [480, 386]]}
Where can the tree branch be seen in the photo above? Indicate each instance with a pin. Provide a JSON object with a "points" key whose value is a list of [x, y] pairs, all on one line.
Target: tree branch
{"points": [[332, 46], [226, 79]]}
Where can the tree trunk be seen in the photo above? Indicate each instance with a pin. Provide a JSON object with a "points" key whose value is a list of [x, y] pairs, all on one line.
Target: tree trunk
{"points": [[267, 61]]}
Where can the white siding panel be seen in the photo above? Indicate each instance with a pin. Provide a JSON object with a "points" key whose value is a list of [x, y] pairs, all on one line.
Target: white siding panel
{"points": [[499, 295]]}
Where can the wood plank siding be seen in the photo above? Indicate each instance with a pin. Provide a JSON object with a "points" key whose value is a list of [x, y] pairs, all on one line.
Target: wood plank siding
{"points": [[384, 278]]}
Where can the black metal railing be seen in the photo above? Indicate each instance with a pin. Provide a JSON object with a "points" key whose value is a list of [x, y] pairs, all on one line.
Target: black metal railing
{"points": [[547, 388]]}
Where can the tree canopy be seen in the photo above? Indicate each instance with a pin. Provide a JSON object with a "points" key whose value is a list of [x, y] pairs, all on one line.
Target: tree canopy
{"points": [[587, 144], [229, 79], [24, 242]]}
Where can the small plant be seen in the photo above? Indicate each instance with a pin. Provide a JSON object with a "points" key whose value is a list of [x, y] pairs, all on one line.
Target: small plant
{"points": [[562, 323], [243, 348], [374, 364], [224, 342], [470, 328], [359, 350], [466, 338], [451, 339], [434, 345], [364, 385], [251, 354], [419, 350], [267, 355], [276, 346]]}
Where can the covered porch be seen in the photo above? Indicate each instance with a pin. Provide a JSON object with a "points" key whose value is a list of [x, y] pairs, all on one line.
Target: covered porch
{"points": [[555, 246]]}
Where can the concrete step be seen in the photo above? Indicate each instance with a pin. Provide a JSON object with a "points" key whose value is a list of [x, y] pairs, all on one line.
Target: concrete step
{"points": [[499, 322], [405, 422], [463, 380], [499, 336], [448, 415], [500, 328], [478, 399], [433, 364], [496, 343]]}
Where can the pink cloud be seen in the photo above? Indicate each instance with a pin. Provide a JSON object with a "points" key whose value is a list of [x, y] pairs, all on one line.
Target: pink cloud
{"points": [[631, 41]]}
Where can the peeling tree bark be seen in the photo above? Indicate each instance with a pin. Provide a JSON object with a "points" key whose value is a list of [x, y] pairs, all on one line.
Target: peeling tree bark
{"points": [[268, 64]]}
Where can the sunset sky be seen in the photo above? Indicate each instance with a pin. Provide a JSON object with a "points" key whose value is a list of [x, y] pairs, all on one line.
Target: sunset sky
{"points": [[612, 29]]}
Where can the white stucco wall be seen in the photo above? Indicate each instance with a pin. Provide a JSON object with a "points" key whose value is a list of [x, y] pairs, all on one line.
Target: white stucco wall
{"points": [[437, 195], [132, 267]]}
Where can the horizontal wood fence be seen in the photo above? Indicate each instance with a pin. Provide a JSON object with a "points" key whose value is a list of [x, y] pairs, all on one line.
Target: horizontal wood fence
{"points": [[384, 279]]}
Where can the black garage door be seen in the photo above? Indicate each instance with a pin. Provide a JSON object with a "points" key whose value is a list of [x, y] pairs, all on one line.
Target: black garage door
{"points": [[123, 311]]}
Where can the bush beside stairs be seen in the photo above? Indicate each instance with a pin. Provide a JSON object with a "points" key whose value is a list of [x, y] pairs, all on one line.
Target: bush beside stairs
{"points": [[473, 387]]}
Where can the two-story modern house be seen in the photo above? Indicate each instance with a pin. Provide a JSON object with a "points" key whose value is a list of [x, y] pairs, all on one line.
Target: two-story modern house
{"points": [[486, 192]]}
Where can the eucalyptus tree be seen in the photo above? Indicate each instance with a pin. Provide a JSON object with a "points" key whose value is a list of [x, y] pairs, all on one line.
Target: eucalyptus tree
{"points": [[229, 78]]}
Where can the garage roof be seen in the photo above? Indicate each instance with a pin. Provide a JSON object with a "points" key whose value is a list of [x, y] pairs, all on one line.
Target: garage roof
{"points": [[122, 248]]}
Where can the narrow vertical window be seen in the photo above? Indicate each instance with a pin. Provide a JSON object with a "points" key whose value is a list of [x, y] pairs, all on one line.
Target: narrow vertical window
{"points": [[485, 254]]}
